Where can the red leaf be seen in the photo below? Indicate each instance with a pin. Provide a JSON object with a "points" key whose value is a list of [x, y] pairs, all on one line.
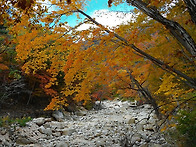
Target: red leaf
{"points": [[69, 1], [109, 3]]}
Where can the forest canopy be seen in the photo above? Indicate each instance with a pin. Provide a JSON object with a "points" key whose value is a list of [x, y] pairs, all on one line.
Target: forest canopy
{"points": [[150, 59]]}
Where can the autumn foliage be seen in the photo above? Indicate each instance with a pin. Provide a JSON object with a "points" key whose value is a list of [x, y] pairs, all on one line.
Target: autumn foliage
{"points": [[144, 59]]}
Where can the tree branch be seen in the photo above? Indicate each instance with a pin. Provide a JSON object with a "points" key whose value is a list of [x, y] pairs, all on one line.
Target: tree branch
{"points": [[148, 97], [175, 28], [189, 81], [174, 109], [191, 5]]}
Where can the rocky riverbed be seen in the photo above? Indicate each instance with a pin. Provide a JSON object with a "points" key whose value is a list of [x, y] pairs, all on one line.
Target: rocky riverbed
{"points": [[117, 124]]}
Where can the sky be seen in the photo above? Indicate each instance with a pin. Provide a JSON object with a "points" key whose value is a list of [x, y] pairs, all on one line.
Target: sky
{"points": [[107, 16]]}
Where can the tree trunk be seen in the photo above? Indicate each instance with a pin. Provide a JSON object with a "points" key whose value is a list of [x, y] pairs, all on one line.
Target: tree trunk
{"points": [[191, 5], [189, 81], [175, 28], [147, 96]]}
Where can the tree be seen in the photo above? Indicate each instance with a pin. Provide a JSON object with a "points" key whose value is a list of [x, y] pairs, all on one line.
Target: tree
{"points": [[71, 63], [175, 28]]}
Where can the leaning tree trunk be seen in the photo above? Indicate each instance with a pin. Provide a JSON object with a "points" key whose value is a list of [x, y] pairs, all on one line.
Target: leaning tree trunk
{"points": [[147, 96], [189, 81], [175, 28], [191, 5]]}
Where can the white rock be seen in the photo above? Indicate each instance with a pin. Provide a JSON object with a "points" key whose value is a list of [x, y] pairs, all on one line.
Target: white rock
{"points": [[140, 127], [56, 125], [136, 137], [46, 131], [100, 142], [104, 127], [156, 145], [3, 131], [58, 115], [41, 129], [144, 145], [23, 140], [129, 119], [143, 121], [152, 120], [48, 119], [62, 144], [57, 134], [147, 106], [149, 127], [68, 131], [39, 121]]}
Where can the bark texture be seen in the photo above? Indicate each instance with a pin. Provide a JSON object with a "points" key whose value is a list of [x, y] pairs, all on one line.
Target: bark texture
{"points": [[191, 5], [189, 81], [175, 28]]}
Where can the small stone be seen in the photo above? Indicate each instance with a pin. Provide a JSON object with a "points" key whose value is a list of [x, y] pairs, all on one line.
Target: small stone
{"points": [[3, 131], [31, 145], [100, 143], [34, 145], [144, 145], [6, 143], [152, 120], [131, 121], [153, 115], [58, 115], [46, 125], [48, 119], [147, 106], [149, 127], [80, 113], [140, 127], [136, 137], [41, 129], [46, 131], [143, 122], [57, 134], [23, 140], [62, 144], [156, 145], [68, 131], [161, 140], [39, 121]]}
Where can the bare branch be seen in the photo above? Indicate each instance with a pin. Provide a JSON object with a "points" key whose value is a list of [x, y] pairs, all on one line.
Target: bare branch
{"points": [[189, 81], [171, 112], [191, 5], [175, 28]]}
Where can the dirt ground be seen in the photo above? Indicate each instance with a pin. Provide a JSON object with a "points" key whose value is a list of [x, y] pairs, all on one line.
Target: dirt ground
{"points": [[21, 108]]}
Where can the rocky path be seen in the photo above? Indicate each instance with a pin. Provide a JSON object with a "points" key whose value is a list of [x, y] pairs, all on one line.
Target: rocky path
{"points": [[118, 124]]}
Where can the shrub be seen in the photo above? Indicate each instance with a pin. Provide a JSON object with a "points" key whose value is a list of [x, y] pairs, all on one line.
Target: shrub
{"points": [[6, 121], [187, 127]]}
